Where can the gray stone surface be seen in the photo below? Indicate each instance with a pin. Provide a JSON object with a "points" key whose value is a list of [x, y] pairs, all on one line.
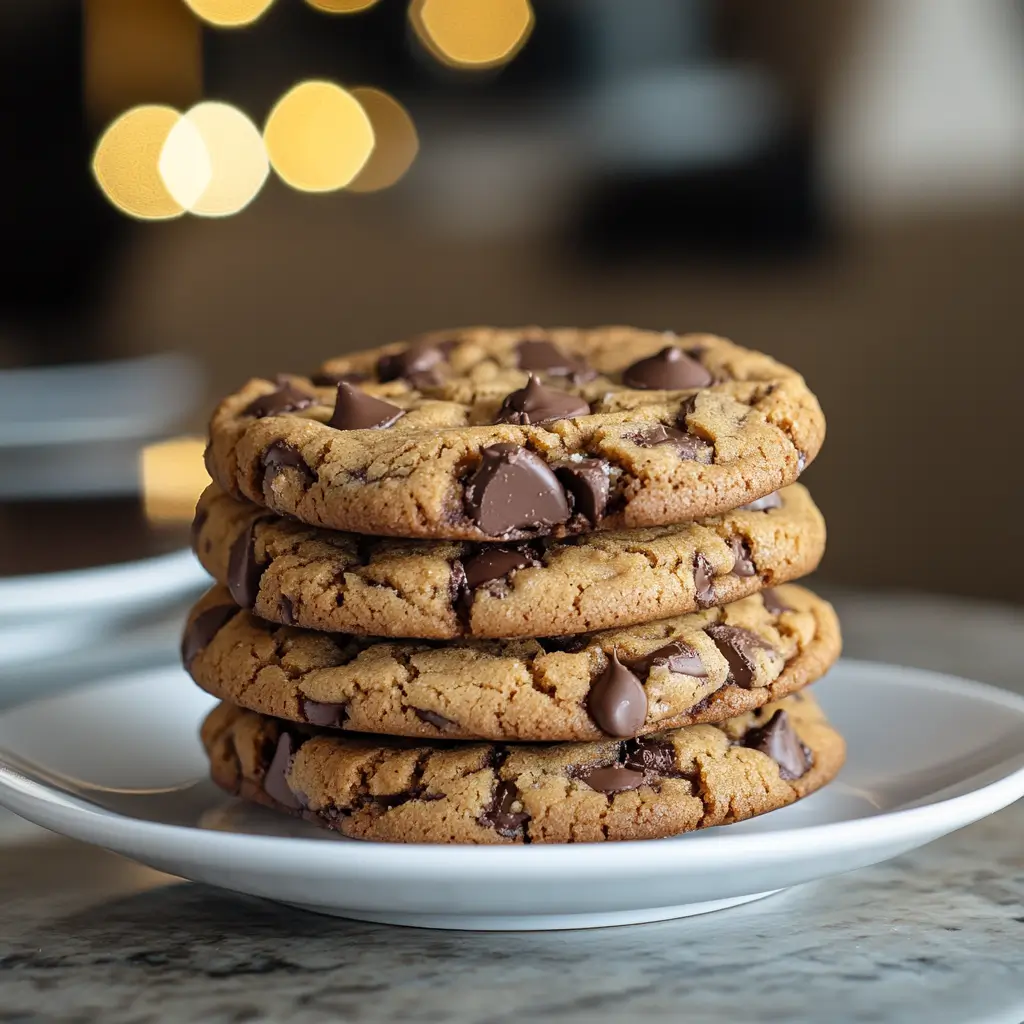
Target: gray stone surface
{"points": [[933, 937]]}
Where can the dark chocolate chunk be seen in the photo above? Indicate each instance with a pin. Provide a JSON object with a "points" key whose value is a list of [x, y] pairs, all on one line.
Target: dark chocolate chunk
{"points": [[676, 656], [420, 360], [275, 781], [332, 378], [687, 446], [244, 572], [774, 604], [534, 354], [494, 564], [539, 404], [571, 644], [286, 610], [651, 755], [586, 482], [514, 489], [198, 522], [432, 718], [743, 560], [287, 398], [617, 701], [765, 504], [703, 581], [327, 716], [611, 778], [780, 742], [356, 410], [203, 628], [279, 456], [738, 646], [670, 370], [500, 815]]}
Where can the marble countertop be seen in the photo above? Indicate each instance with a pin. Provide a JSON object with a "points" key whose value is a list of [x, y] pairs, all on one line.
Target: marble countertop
{"points": [[935, 936]]}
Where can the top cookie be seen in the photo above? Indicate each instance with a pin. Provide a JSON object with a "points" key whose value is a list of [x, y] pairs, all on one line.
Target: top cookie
{"points": [[494, 435]]}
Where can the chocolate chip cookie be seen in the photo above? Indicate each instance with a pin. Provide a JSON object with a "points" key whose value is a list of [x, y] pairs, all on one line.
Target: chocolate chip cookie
{"points": [[509, 435], [406, 792], [300, 575], [702, 667]]}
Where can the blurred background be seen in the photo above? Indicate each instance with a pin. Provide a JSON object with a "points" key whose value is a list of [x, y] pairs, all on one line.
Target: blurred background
{"points": [[198, 192]]}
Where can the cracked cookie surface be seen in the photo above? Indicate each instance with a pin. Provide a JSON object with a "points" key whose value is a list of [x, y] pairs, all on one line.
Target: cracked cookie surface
{"points": [[294, 574], [448, 437], [401, 791], [701, 667]]}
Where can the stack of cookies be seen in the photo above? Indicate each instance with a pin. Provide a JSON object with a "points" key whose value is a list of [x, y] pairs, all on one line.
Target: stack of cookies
{"points": [[513, 586]]}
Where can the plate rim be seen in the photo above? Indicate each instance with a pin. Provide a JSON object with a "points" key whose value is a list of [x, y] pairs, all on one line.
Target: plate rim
{"points": [[438, 861]]}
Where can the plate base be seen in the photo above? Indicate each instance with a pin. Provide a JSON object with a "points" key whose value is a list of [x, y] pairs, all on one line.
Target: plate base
{"points": [[537, 922]]}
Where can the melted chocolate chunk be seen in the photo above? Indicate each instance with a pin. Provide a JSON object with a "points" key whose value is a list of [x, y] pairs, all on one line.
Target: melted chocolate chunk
{"points": [[738, 646], [765, 504], [586, 483], [539, 404], [611, 779], [327, 716], [514, 489], [617, 701], [287, 398], [279, 456], [198, 522], [533, 354], [244, 572], [780, 742], [676, 656], [203, 628], [774, 604], [687, 446], [743, 560], [500, 815], [703, 581], [432, 718], [275, 781], [495, 564], [421, 360], [651, 755], [356, 410], [670, 370]]}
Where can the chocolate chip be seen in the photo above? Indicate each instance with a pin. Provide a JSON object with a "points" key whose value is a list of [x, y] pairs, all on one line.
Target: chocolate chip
{"points": [[279, 456], [203, 628], [332, 378], [356, 410], [703, 581], [494, 564], [287, 398], [275, 781], [773, 604], [327, 716], [586, 482], [513, 489], [651, 755], [743, 560], [286, 610], [687, 446], [244, 572], [500, 815], [738, 646], [676, 656], [420, 359], [571, 644], [433, 718], [611, 779], [534, 354], [765, 504], [670, 370], [198, 522], [780, 742], [538, 404], [617, 701]]}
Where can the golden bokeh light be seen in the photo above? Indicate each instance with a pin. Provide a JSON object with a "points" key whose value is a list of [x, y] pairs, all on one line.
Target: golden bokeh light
{"points": [[173, 476], [214, 162], [126, 163], [229, 13], [472, 33], [396, 143], [341, 6], [318, 137]]}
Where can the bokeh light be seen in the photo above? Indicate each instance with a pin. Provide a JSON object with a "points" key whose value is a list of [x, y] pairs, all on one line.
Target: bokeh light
{"points": [[214, 162], [126, 163], [472, 33], [229, 13], [341, 6], [173, 476], [318, 137], [396, 142]]}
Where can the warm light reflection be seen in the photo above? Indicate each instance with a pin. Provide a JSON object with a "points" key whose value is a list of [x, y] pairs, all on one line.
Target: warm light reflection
{"points": [[341, 6], [472, 33], [173, 476], [318, 137], [214, 162], [229, 13], [126, 163], [396, 141]]}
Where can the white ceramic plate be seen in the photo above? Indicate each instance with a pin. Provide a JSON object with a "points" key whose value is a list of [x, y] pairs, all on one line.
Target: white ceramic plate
{"points": [[119, 765]]}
